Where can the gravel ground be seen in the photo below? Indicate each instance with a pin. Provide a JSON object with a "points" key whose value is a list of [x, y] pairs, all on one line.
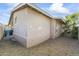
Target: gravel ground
{"points": [[53, 47]]}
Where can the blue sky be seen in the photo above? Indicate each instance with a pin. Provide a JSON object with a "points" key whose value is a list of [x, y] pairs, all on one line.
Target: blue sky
{"points": [[55, 9]]}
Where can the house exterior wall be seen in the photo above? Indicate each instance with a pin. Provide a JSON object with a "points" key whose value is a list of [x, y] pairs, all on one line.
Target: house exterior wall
{"points": [[19, 26], [32, 28], [56, 28], [38, 28], [52, 28]]}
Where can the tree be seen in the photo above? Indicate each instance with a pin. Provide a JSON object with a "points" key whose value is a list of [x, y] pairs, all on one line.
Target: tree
{"points": [[70, 24]]}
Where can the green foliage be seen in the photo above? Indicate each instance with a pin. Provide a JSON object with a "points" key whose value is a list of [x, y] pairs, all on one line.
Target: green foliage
{"points": [[75, 32], [70, 24]]}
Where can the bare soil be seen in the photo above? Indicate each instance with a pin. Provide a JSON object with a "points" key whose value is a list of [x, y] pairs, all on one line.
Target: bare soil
{"points": [[61, 46]]}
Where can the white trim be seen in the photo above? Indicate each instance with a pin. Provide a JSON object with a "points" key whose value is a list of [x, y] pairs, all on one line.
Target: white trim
{"points": [[33, 6], [37, 8], [18, 6]]}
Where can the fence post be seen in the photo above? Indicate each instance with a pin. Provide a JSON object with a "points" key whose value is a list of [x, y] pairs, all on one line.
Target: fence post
{"points": [[78, 33]]}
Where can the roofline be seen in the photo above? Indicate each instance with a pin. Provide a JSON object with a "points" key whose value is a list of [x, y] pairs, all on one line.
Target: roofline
{"points": [[18, 6], [34, 7]]}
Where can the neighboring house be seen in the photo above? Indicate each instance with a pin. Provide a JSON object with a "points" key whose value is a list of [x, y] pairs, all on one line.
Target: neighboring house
{"points": [[32, 25]]}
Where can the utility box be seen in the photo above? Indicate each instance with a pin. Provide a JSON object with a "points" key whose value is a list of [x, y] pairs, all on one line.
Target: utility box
{"points": [[8, 32]]}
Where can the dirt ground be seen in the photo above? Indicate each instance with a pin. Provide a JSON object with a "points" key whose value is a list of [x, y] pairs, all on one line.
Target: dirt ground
{"points": [[53, 47]]}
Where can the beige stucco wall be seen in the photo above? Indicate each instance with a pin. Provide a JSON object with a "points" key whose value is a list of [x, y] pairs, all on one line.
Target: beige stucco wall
{"points": [[19, 26], [59, 29], [56, 28], [53, 30], [32, 26], [38, 28]]}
